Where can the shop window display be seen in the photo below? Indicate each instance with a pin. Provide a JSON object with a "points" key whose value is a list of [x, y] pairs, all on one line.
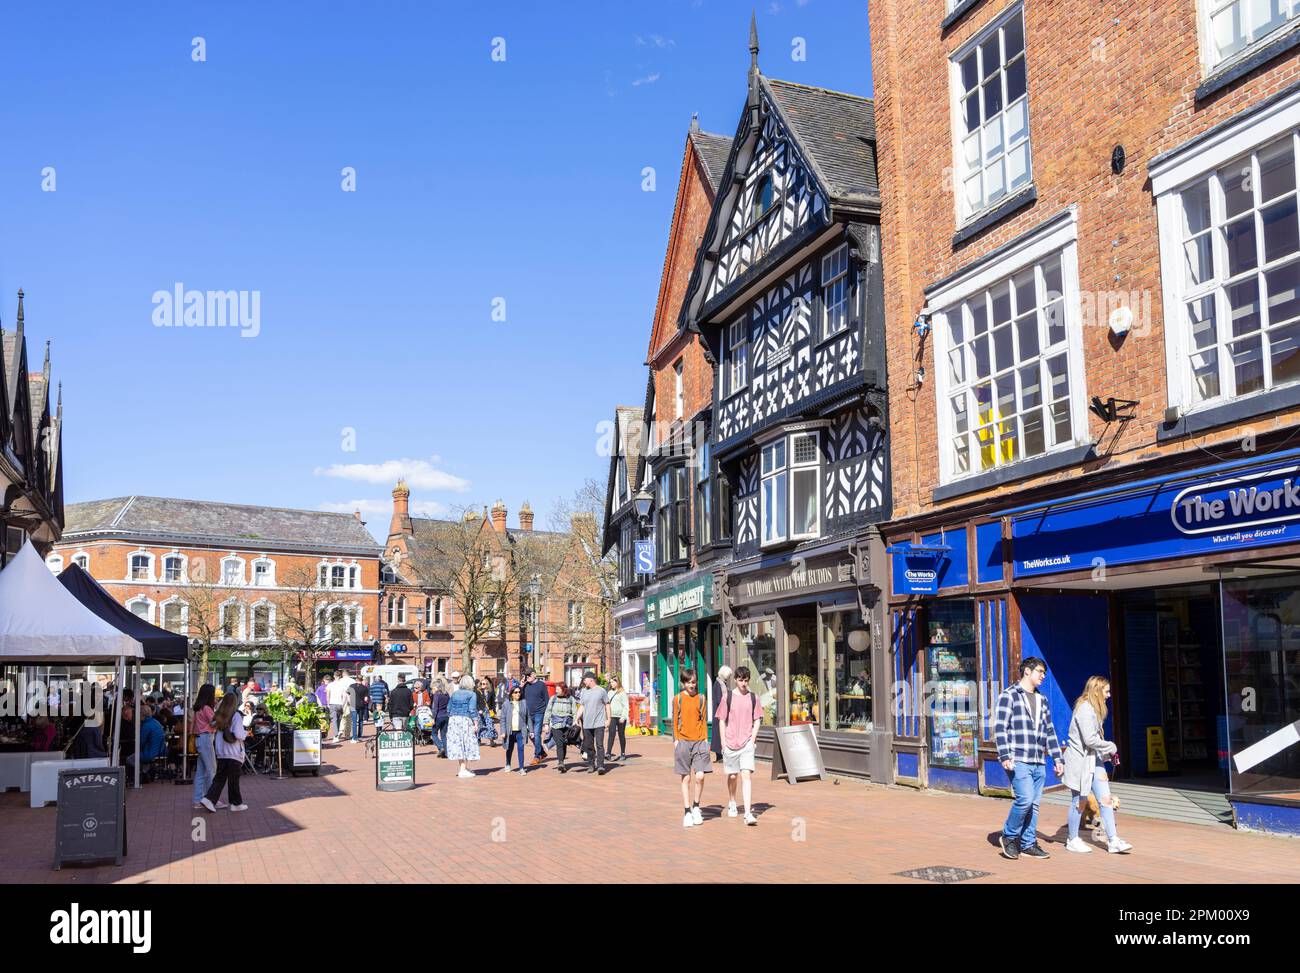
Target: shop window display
{"points": [[801, 644], [847, 691], [1261, 626], [756, 649], [951, 684]]}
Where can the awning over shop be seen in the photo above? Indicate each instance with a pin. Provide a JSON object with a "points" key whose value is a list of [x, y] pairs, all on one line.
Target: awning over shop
{"points": [[159, 644]]}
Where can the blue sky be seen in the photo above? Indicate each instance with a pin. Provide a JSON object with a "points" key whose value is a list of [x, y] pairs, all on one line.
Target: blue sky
{"points": [[375, 352]]}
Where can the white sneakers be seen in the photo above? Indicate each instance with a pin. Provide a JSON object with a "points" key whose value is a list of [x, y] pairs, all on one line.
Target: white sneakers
{"points": [[209, 805], [1118, 846], [697, 815], [239, 807], [465, 772], [522, 772], [1077, 844], [750, 819], [688, 820], [731, 809]]}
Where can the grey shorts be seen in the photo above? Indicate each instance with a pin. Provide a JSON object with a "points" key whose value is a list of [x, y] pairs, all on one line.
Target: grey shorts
{"points": [[692, 756], [734, 761]]}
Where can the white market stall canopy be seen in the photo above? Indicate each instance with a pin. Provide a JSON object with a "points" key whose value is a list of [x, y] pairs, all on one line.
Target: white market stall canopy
{"points": [[42, 622]]}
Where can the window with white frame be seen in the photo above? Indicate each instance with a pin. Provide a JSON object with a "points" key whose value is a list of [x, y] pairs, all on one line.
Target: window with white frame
{"points": [[1231, 26], [338, 576], [354, 576], [263, 621], [1008, 383], [737, 356], [232, 571], [232, 621], [175, 616], [992, 115], [575, 616], [141, 608], [263, 573], [82, 561], [55, 563], [835, 292], [141, 567], [791, 494], [174, 568], [397, 610], [1238, 310]]}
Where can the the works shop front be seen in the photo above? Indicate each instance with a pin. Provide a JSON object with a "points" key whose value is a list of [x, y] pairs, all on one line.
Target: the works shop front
{"points": [[808, 629], [1182, 589]]}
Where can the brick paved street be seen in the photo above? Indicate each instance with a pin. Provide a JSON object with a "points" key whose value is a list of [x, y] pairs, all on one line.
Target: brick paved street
{"points": [[629, 821]]}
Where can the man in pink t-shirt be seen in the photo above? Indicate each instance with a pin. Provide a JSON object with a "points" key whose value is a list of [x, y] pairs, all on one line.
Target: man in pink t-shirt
{"points": [[740, 715]]}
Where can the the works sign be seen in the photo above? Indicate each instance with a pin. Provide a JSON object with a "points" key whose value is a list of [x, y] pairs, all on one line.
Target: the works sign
{"points": [[1246, 509]]}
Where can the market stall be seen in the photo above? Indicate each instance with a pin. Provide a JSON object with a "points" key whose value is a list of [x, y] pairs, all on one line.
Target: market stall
{"points": [[43, 624]]}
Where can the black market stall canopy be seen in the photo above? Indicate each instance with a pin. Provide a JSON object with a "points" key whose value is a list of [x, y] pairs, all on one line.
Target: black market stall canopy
{"points": [[159, 644]]}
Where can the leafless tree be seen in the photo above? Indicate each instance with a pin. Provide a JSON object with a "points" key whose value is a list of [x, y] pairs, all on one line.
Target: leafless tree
{"points": [[203, 595], [308, 621]]}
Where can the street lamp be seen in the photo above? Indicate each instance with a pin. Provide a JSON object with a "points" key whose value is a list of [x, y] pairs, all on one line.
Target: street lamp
{"points": [[643, 501], [534, 591]]}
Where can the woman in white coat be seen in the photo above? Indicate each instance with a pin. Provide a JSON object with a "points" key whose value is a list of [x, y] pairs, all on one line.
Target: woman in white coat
{"points": [[1085, 753]]}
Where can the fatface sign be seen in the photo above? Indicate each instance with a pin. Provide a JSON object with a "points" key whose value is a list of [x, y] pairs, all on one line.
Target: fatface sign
{"points": [[1248, 509]]}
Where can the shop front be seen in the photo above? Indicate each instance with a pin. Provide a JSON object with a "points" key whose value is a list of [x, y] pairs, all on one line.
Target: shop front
{"points": [[637, 648], [808, 629], [267, 666], [1182, 589], [687, 630]]}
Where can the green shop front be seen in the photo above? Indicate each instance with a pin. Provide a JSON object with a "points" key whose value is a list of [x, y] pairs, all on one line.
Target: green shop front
{"points": [[688, 629]]}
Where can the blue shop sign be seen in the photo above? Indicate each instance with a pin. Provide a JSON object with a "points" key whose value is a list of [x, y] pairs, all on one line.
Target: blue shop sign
{"points": [[1225, 512], [917, 567], [644, 553], [396, 648], [353, 654]]}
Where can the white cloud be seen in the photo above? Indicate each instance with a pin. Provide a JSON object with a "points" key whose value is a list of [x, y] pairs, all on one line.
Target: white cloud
{"points": [[648, 79], [419, 474], [382, 508], [655, 40]]}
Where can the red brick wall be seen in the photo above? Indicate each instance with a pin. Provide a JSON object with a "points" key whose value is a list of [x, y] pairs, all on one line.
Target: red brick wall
{"points": [[1100, 74]]}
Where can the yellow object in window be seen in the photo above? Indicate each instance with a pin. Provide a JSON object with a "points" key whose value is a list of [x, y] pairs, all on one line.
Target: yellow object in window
{"points": [[1006, 444]]}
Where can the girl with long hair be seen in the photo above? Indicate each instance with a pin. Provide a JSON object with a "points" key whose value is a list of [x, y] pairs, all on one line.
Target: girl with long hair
{"points": [[205, 768], [230, 733], [1085, 755]]}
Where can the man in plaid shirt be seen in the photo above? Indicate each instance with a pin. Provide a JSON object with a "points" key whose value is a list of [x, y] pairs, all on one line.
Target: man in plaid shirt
{"points": [[1024, 733]]}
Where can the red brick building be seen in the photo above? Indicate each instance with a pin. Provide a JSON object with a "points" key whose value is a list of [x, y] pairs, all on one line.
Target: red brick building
{"points": [[1092, 275], [247, 581], [423, 618]]}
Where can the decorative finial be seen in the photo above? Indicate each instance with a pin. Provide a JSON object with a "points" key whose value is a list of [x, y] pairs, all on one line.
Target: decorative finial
{"points": [[695, 122], [20, 311], [753, 41]]}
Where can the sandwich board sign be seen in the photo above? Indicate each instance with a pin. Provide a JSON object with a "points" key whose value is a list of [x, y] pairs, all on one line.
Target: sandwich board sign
{"points": [[91, 820], [395, 761], [796, 754]]}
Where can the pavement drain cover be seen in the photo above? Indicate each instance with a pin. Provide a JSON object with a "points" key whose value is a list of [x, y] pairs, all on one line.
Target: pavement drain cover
{"points": [[943, 874]]}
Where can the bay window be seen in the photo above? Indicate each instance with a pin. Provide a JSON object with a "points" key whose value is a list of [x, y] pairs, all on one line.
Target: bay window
{"points": [[791, 488], [672, 519], [991, 108], [1236, 313], [703, 498], [1231, 26]]}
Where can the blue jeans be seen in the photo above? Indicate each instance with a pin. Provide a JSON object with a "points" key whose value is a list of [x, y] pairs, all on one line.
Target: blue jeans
{"points": [[205, 767], [358, 718], [1101, 791], [535, 722], [440, 735], [515, 740], [1022, 822]]}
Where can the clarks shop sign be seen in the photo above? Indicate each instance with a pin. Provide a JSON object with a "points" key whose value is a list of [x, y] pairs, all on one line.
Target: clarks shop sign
{"points": [[791, 580], [1245, 509], [684, 603]]}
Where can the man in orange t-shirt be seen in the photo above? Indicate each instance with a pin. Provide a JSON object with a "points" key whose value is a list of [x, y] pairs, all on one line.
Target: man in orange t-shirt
{"points": [[691, 755]]}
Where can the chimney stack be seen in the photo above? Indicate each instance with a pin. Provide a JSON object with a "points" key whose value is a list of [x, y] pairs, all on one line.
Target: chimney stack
{"points": [[401, 510], [499, 517], [525, 517]]}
